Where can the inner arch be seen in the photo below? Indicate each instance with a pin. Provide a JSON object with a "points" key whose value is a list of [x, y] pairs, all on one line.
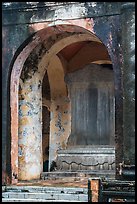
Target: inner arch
{"points": [[29, 68]]}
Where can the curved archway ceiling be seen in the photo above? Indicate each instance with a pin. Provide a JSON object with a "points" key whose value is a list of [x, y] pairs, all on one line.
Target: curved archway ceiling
{"points": [[82, 53], [30, 66]]}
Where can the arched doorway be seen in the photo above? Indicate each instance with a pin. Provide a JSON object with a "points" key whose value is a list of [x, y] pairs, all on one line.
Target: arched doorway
{"points": [[26, 105]]}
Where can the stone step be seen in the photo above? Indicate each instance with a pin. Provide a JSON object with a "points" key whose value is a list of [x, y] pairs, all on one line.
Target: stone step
{"points": [[41, 194], [36, 200], [45, 189], [45, 196]]}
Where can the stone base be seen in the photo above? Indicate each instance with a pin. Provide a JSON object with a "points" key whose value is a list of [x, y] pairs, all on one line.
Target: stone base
{"points": [[86, 158], [71, 176]]}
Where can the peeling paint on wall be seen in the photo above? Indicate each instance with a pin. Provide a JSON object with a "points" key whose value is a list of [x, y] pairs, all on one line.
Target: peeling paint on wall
{"points": [[30, 74], [30, 159]]}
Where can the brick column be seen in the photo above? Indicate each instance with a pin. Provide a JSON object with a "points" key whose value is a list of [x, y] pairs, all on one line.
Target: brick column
{"points": [[94, 185]]}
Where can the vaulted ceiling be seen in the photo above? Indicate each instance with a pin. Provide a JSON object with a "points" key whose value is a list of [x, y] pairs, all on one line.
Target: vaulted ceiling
{"points": [[79, 54]]}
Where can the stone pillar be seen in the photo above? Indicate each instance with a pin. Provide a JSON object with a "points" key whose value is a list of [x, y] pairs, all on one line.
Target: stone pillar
{"points": [[92, 106], [128, 48], [30, 131]]}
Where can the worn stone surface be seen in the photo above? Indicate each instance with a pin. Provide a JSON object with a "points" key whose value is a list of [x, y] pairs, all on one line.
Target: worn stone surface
{"points": [[92, 106], [33, 12], [86, 158], [45, 193], [30, 136], [111, 36], [22, 20], [59, 109], [128, 45], [34, 77], [11, 42]]}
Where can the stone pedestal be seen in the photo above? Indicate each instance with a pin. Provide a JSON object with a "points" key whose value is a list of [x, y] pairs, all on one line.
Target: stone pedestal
{"points": [[86, 158], [91, 142], [91, 92]]}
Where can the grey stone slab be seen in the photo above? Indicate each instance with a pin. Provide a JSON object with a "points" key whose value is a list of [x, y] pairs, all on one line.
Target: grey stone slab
{"points": [[45, 189], [36, 200], [83, 197], [5, 195], [15, 195], [45, 196]]}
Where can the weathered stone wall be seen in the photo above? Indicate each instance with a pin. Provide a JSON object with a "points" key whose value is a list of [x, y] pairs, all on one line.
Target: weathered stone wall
{"points": [[60, 118], [21, 20]]}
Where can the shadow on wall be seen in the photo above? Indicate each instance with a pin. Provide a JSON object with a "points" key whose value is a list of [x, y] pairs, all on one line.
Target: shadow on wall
{"points": [[46, 162]]}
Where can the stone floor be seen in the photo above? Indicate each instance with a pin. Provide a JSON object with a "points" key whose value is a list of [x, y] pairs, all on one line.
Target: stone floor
{"points": [[66, 179], [63, 182]]}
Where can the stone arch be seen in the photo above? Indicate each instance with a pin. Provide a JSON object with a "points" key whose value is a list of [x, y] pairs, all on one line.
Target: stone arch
{"points": [[43, 45]]}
